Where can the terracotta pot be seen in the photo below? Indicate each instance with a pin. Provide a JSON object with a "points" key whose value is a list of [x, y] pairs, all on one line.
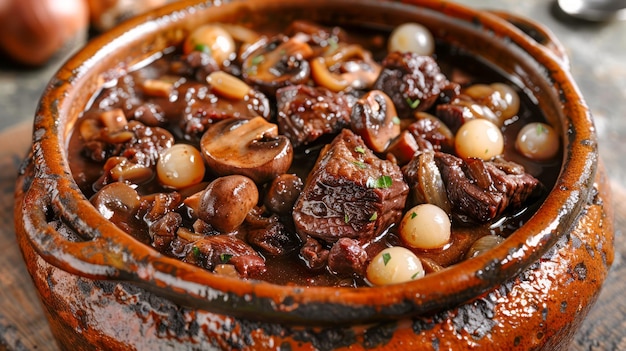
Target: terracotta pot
{"points": [[101, 288]]}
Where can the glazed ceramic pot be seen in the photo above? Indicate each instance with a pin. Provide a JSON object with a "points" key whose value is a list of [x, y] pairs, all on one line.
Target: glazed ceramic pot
{"points": [[102, 289]]}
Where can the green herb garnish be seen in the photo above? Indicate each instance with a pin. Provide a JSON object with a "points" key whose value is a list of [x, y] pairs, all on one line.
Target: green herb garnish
{"points": [[374, 217], [541, 129], [386, 258], [346, 218], [413, 103], [360, 149], [382, 182], [413, 215], [196, 251], [360, 164], [202, 48], [225, 257], [332, 44], [256, 60], [415, 275], [395, 120]]}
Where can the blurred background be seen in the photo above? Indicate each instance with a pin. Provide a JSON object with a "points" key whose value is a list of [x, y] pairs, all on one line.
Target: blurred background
{"points": [[37, 36]]}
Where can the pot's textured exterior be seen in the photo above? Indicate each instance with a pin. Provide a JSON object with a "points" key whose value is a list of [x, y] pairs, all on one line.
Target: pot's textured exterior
{"points": [[540, 309], [101, 288]]}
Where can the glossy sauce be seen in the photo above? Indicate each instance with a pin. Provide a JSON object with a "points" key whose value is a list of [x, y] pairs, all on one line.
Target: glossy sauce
{"points": [[290, 269]]}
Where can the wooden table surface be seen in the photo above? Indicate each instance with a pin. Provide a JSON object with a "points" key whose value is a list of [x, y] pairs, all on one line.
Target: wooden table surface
{"points": [[598, 55]]}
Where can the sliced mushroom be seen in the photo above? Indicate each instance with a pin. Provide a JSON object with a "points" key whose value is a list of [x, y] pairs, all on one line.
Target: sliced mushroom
{"points": [[250, 147], [226, 202], [374, 118], [272, 64], [345, 67], [425, 181]]}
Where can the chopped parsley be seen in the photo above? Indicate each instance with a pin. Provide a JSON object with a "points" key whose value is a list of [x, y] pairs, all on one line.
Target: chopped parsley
{"points": [[413, 215], [225, 257], [359, 164], [196, 251], [413, 103], [360, 149], [386, 258], [202, 48], [382, 182], [415, 275], [332, 44], [374, 217], [256, 60], [541, 129], [346, 218], [254, 63]]}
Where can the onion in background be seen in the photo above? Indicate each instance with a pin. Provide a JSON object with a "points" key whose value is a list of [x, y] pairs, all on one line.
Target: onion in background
{"points": [[32, 31]]}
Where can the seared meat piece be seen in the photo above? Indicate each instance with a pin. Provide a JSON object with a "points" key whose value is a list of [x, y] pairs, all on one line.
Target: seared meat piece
{"points": [[430, 135], [269, 234], [305, 113], [347, 257], [350, 193], [412, 81], [164, 230], [480, 190], [454, 116], [226, 249], [314, 254]]}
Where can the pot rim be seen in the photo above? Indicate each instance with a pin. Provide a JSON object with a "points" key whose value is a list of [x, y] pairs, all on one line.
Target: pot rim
{"points": [[53, 192]]}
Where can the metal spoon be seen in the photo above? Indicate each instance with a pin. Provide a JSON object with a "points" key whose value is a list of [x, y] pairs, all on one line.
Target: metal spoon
{"points": [[594, 10]]}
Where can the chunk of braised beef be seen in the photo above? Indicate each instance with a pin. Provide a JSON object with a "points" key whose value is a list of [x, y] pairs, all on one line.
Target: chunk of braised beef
{"points": [[462, 109], [319, 35], [138, 143], [211, 251], [413, 82], [429, 135], [269, 234], [203, 108], [347, 257], [197, 64], [155, 206], [147, 144], [349, 193], [454, 116], [150, 114], [480, 191], [163, 230], [315, 256], [306, 113]]}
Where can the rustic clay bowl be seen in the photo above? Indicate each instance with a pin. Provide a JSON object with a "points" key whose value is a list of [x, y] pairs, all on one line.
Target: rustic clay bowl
{"points": [[102, 289]]}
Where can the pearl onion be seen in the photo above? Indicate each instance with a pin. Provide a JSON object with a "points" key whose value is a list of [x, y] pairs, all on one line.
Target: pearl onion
{"points": [[479, 138], [180, 166], [213, 39], [425, 226], [394, 265], [412, 37], [537, 141]]}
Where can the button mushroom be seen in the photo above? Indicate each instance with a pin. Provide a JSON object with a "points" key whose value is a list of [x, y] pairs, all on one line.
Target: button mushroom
{"points": [[226, 202], [276, 63], [117, 202], [374, 118], [250, 147]]}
